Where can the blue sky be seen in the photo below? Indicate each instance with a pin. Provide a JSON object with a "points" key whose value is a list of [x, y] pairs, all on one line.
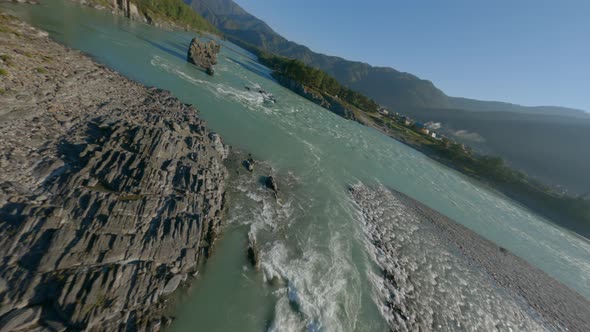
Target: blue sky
{"points": [[522, 51]]}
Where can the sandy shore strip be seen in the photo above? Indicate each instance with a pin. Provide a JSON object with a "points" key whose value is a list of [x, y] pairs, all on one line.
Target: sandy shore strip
{"points": [[414, 246]]}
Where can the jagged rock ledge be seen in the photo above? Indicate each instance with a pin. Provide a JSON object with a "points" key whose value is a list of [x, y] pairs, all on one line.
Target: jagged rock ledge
{"points": [[110, 192]]}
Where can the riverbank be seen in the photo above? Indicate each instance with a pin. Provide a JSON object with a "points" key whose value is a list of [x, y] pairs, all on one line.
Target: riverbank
{"points": [[569, 212], [164, 14], [394, 223], [111, 193], [566, 211], [316, 86]]}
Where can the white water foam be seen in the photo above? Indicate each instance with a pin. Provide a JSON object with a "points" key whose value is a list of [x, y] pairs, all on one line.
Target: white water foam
{"points": [[318, 287], [251, 99]]}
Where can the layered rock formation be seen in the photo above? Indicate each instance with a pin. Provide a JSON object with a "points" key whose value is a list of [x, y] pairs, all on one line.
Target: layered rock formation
{"points": [[203, 54], [108, 199]]}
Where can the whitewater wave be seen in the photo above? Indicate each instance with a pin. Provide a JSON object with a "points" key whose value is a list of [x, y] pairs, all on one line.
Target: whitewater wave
{"points": [[317, 286], [250, 99]]}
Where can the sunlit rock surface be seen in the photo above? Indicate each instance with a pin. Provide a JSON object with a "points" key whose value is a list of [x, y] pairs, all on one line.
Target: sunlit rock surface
{"points": [[110, 192]]}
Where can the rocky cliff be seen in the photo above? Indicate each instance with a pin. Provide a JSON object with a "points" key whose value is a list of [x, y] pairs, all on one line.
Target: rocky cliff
{"points": [[128, 9], [166, 14], [125, 8], [110, 192]]}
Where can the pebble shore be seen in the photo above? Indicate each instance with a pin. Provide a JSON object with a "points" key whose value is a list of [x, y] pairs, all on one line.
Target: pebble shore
{"points": [[412, 244]]}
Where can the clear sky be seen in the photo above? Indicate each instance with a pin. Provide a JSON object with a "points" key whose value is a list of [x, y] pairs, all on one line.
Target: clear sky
{"points": [[531, 52]]}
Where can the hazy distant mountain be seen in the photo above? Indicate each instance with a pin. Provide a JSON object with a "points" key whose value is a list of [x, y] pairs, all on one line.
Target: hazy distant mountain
{"points": [[387, 86], [549, 147], [497, 106]]}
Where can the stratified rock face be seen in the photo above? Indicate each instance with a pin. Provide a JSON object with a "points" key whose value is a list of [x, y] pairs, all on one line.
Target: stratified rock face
{"points": [[203, 54], [108, 199]]}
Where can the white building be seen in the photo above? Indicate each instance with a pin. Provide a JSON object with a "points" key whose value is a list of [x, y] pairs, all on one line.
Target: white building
{"points": [[433, 125]]}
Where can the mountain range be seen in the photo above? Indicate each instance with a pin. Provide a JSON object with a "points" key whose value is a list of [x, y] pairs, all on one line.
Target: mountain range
{"points": [[389, 87], [543, 141]]}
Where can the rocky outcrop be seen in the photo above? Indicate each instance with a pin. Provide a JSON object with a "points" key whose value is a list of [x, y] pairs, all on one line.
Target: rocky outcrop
{"points": [[271, 184], [328, 102], [253, 251], [249, 163], [203, 54], [108, 199], [127, 9]]}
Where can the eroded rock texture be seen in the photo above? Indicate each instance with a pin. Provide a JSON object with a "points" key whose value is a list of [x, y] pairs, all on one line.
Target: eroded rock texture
{"points": [[110, 193], [203, 54]]}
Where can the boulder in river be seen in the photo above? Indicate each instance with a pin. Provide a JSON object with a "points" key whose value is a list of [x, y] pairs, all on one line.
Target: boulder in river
{"points": [[267, 96], [271, 184], [249, 164], [203, 54], [253, 252]]}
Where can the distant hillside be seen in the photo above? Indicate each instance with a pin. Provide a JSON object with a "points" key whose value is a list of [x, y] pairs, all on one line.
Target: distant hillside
{"points": [[387, 86], [175, 11], [496, 106], [550, 147], [547, 142]]}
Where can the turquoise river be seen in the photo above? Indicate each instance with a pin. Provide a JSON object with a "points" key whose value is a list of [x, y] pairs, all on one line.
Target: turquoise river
{"points": [[315, 271]]}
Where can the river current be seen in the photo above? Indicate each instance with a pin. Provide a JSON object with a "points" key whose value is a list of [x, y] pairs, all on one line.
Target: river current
{"points": [[316, 271]]}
